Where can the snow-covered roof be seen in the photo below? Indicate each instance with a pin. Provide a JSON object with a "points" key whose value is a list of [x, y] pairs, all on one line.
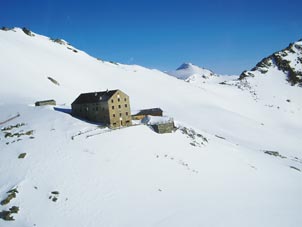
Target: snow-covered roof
{"points": [[156, 120]]}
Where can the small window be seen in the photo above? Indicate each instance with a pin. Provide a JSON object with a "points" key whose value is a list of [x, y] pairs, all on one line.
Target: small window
{"points": [[120, 114], [111, 100], [119, 106], [126, 105], [125, 99], [113, 115], [126, 113], [118, 99], [112, 107]]}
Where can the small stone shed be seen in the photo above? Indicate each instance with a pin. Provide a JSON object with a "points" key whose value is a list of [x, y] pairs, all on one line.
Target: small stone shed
{"points": [[160, 124], [147, 112], [46, 102]]}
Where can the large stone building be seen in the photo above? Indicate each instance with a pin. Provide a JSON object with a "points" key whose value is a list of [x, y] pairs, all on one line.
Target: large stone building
{"points": [[108, 107]]}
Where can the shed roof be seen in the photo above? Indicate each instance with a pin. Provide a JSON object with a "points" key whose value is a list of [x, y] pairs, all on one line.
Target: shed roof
{"points": [[153, 111], [94, 97]]}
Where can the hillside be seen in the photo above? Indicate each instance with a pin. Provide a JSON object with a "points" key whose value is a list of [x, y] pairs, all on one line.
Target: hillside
{"points": [[276, 80], [288, 61], [231, 157]]}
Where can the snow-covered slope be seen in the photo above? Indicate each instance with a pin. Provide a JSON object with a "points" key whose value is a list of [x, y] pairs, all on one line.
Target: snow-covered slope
{"points": [[288, 61], [276, 80], [231, 157]]}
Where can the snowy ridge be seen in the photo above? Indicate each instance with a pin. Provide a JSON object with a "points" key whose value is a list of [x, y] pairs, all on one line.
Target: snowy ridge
{"points": [[276, 80], [231, 157], [288, 61]]}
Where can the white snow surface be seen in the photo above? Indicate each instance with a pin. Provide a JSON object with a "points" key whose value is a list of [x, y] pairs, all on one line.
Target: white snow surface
{"points": [[154, 120], [133, 176]]}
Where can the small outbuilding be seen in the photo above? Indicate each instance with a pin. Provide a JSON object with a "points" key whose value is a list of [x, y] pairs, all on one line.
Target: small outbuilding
{"points": [[46, 102], [147, 112], [160, 124]]}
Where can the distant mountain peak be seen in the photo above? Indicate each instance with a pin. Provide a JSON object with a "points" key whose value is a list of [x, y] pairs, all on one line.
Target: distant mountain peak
{"points": [[187, 70], [186, 66]]}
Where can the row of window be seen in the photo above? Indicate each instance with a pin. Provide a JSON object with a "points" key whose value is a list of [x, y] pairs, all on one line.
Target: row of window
{"points": [[97, 108], [119, 106], [127, 122], [113, 115], [125, 99]]}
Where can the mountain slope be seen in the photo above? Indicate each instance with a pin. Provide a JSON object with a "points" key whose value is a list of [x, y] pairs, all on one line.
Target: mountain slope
{"points": [[275, 81], [247, 171], [288, 61]]}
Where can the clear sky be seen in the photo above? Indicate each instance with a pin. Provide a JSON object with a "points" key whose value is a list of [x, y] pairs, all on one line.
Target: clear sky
{"points": [[224, 36]]}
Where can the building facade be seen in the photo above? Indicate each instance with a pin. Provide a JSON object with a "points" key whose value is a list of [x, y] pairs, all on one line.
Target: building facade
{"points": [[111, 108]]}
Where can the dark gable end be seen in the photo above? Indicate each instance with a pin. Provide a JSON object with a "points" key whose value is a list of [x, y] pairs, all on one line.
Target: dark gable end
{"points": [[152, 112], [94, 97]]}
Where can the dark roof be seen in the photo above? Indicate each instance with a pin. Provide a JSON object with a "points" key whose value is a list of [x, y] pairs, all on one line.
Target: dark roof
{"points": [[153, 111], [43, 101], [94, 97]]}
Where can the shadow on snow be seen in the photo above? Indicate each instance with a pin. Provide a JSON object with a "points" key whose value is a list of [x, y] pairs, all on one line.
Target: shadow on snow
{"points": [[68, 111]]}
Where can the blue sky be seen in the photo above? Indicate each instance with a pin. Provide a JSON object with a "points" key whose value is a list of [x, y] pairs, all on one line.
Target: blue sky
{"points": [[224, 36]]}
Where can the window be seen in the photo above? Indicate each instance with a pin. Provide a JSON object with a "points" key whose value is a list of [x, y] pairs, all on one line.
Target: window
{"points": [[126, 113], [126, 105], [112, 107], [113, 115], [125, 99], [118, 99], [119, 106], [111, 100], [120, 114]]}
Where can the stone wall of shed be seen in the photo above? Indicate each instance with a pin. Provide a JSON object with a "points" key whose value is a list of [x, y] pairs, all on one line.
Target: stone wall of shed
{"points": [[164, 128]]}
